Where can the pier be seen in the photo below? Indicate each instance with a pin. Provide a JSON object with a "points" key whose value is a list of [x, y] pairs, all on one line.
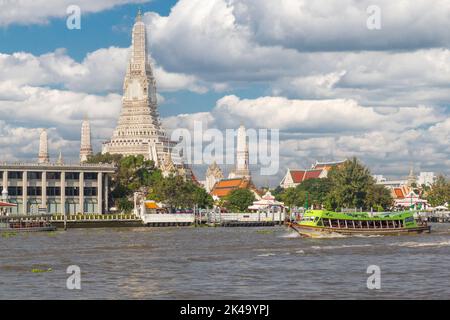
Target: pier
{"points": [[434, 216], [253, 219], [96, 221]]}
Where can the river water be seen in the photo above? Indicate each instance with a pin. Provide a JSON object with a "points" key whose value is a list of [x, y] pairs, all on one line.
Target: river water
{"points": [[222, 263]]}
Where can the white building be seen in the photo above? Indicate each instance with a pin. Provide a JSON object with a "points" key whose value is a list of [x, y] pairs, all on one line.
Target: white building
{"points": [[56, 188], [426, 178]]}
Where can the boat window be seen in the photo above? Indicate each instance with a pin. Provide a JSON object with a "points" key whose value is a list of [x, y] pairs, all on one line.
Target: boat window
{"points": [[320, 222], [308, 218], [334, 223]]}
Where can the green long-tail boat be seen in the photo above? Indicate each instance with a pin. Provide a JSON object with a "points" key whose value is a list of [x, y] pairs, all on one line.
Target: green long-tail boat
{"points": [[316, 223]]}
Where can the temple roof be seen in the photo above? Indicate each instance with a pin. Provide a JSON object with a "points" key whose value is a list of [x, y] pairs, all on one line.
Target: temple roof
{"points": [[299, 176], [224, 187], [327, 165]]}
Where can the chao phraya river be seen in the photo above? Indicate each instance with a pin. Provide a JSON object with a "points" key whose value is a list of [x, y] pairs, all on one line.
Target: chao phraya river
{"points": [[222, 263]]}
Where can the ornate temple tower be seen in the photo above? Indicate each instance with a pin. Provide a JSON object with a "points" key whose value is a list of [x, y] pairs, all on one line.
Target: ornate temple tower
{"points": [[43, 156], [139, 131], [241, 170], [86, 148], [412, 179], [213, 175]]}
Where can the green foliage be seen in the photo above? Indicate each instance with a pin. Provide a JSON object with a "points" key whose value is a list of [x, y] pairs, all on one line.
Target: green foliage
{"points": [[379, 198], [125, 205], [352, 186], [313, 192], [239, 200], [440, 192], [347, 186], [134, 173]]}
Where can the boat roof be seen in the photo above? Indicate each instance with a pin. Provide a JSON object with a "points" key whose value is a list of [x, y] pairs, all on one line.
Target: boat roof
{"points": [[359, 215]]}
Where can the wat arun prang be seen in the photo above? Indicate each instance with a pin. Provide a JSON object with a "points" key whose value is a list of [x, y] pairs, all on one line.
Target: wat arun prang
{"points": [[139, 130]]}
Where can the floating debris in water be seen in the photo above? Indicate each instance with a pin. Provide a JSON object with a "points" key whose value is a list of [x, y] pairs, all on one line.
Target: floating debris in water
{"points": [[41, 270], [8, 234]]}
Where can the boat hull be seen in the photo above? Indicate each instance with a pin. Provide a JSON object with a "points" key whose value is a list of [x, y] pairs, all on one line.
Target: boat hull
{"points": [[313, 231]]}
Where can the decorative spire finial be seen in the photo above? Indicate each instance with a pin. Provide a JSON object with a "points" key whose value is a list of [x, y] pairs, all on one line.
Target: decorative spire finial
{"points": [[139, 15], [60, 160]]}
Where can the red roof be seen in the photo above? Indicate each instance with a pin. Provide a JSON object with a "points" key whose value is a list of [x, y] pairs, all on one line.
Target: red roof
{"points": [[298, 176], [312, 174]]}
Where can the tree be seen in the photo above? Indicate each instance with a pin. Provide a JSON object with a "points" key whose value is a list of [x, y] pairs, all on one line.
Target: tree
{"points": [[202, 198], [378, 198], [440, 192], [239, 199], [291, 198], [353, 186], [314, 191], [134, 173], [125, 205]]}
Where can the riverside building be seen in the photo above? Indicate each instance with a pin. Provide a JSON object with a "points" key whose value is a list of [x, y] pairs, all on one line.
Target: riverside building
{"points": [[57, 188]]}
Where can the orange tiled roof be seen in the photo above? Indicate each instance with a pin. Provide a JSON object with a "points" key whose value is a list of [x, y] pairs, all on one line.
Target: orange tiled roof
{"points": [[224, 187], [151, 205], [398, 193]]}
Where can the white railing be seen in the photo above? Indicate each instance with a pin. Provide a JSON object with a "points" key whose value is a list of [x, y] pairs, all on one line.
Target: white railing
{"points": [[215, 217], [168, 218]]}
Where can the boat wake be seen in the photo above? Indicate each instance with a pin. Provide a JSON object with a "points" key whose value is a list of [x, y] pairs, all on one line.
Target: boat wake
{"points": [[266, 255], [412, 244], [290, 235], [328, 236], [341, 246]]}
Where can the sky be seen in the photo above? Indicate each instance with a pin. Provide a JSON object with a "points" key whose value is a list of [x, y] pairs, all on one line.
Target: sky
{"points": [[319, 71]]}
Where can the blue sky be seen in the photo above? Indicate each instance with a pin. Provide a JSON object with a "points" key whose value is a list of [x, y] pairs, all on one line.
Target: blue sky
{"points": [[312, 69], [99, 30]]}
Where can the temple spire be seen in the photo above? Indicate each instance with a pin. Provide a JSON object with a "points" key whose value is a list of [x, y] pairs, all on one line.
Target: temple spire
{"points": [[86, 147], [43, 156], [60, 160], [139, 15]]}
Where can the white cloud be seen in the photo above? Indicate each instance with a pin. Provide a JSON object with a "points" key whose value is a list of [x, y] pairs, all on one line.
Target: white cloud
{"points": [[62, 112], [100, 71], [311, 49], [387, 141], [373, 78], [340, 25], [29, 12]]}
